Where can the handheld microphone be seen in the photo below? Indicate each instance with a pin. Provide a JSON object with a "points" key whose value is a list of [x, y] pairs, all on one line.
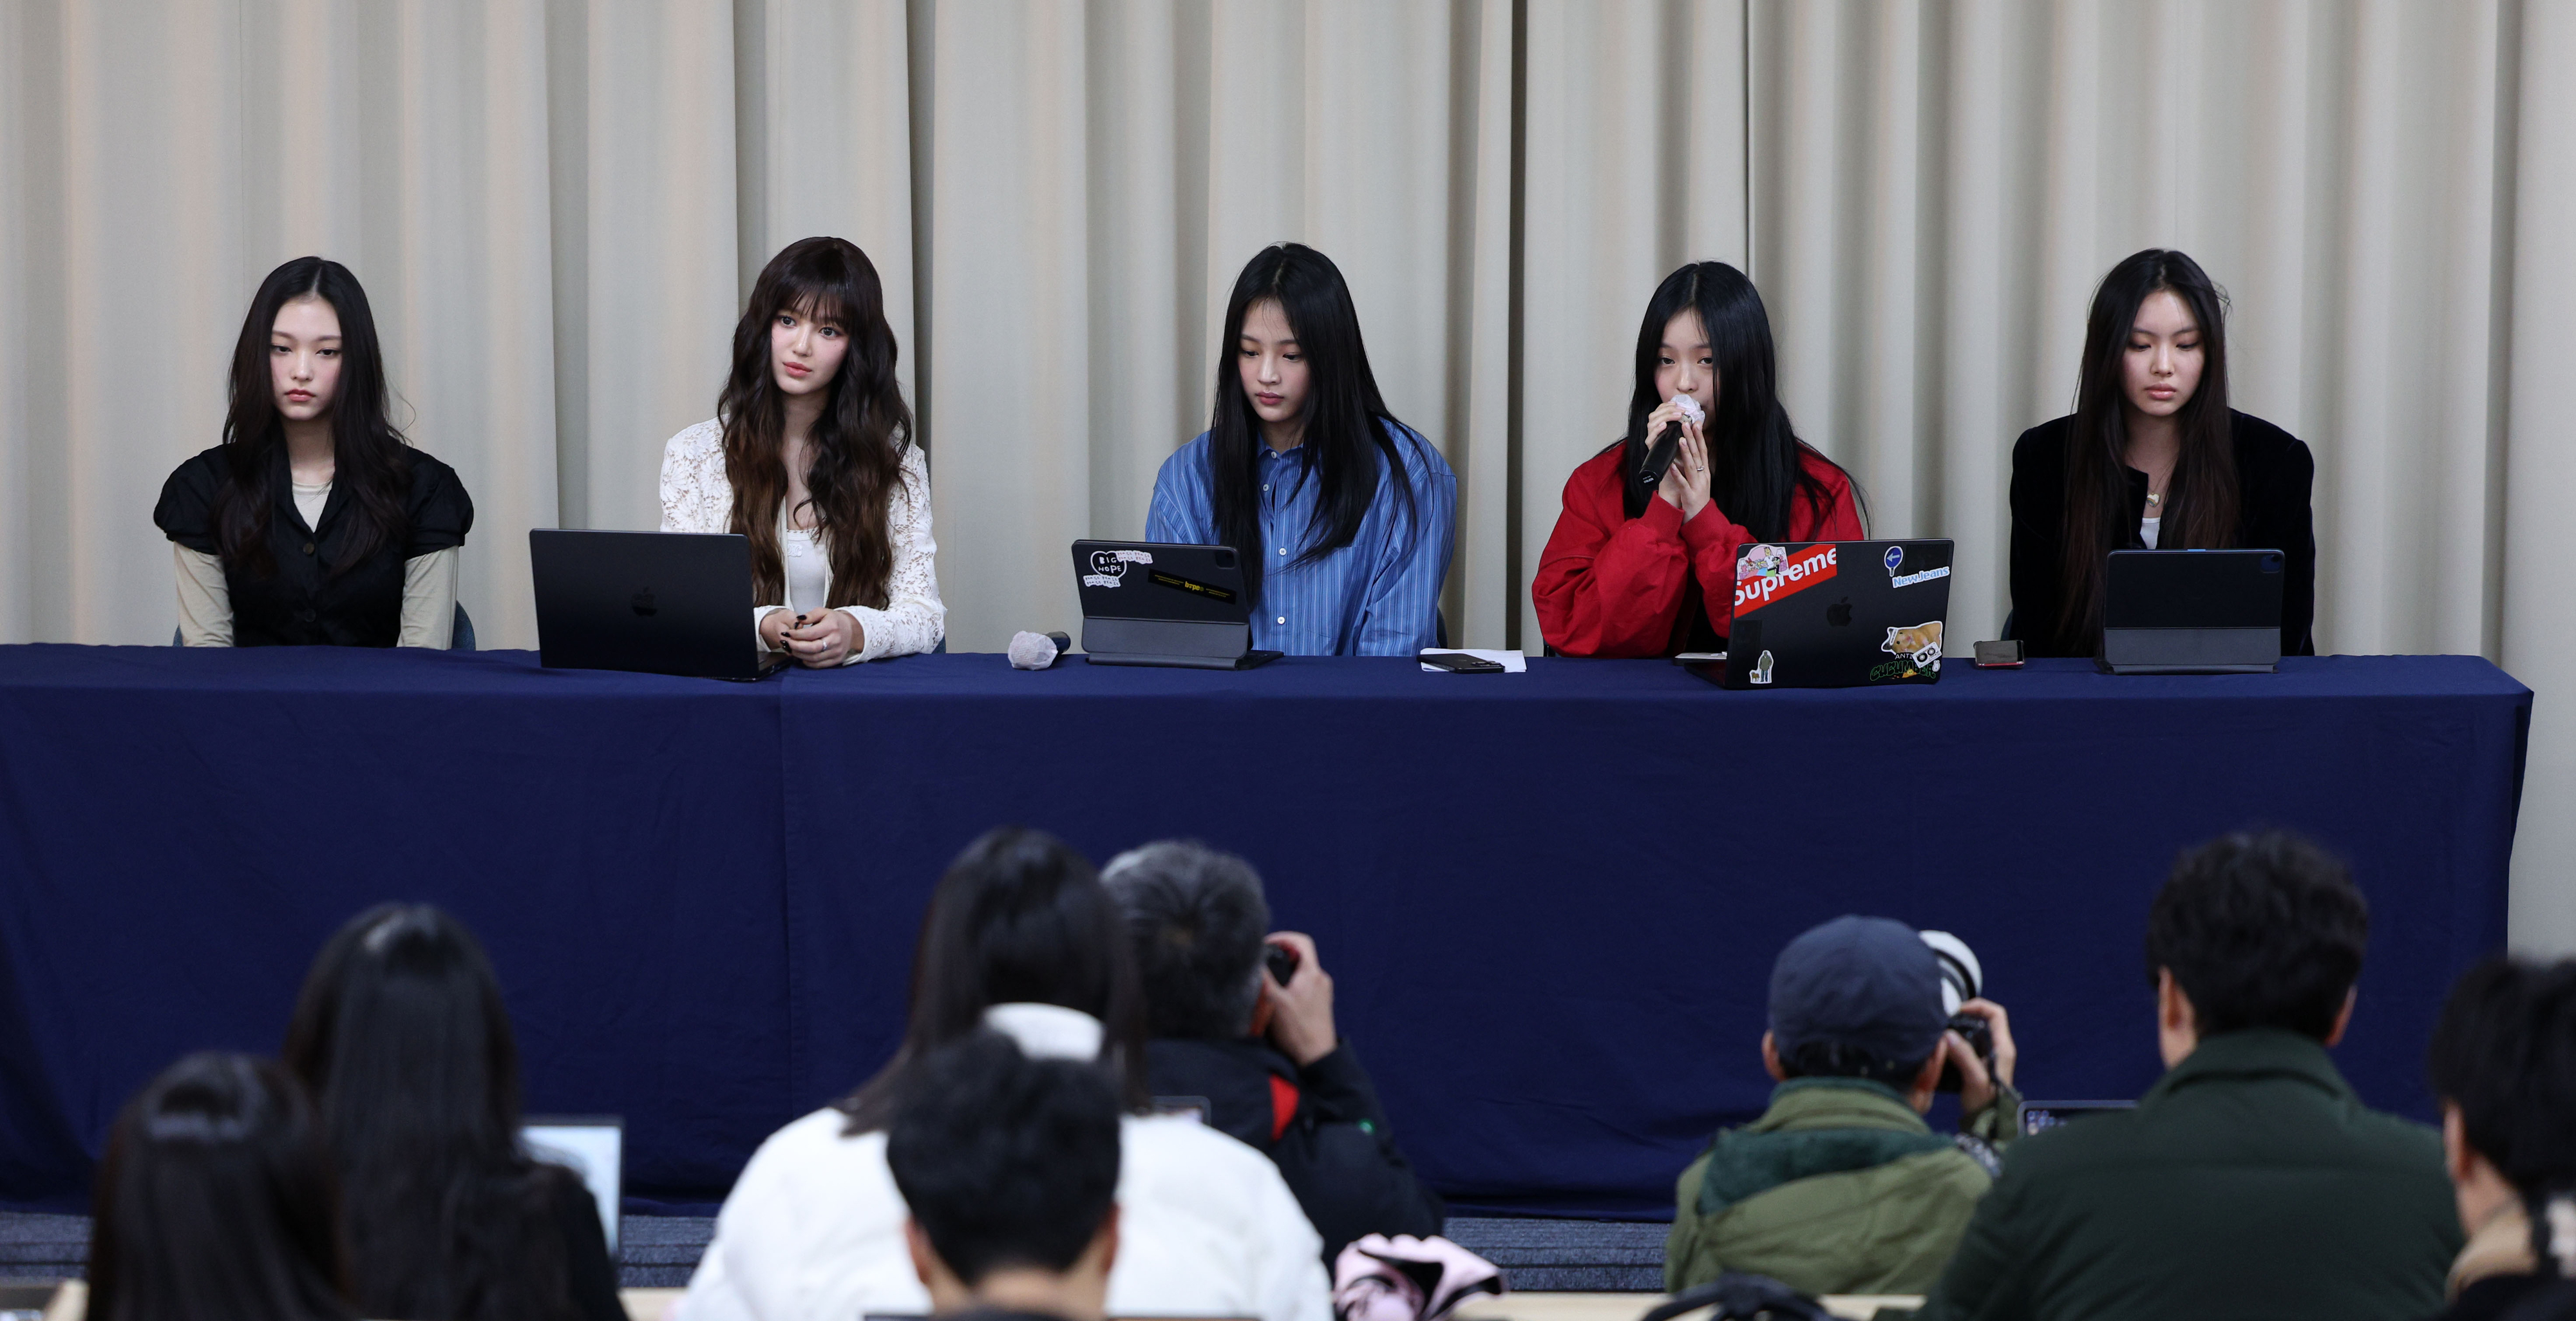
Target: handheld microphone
{"points": [[1659, 456], [1038, 651]]}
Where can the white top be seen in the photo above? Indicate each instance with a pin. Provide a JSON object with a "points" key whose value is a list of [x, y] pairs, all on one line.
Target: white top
{"points": [[809, 571], [813, 1230], [310, 501], [2149, 527], [697, 497]]}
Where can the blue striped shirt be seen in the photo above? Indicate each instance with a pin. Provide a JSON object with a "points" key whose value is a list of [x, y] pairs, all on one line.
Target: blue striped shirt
{"points": [[1377, 596]]}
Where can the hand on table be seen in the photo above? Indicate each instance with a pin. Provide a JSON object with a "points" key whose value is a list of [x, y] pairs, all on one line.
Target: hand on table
{"points": [[819, 639]]}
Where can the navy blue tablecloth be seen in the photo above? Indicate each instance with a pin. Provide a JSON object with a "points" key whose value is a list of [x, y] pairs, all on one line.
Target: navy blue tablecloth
{"points": [[1549, 902]]}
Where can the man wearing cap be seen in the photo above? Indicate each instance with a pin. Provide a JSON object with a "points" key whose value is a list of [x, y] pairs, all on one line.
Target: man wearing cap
{"points": [[1840, 1187]]}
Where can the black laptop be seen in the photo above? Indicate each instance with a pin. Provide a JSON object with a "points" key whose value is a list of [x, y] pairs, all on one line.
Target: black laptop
{"points": [[1145, 603], [651, 602], [1837, 614], [2192, 612]]}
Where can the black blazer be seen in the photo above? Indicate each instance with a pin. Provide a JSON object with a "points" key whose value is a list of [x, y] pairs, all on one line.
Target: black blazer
{"points": [[303, 603], [2274, 473]]}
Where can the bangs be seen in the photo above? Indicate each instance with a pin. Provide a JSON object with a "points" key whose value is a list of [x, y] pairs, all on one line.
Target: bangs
{"points": [[818, 303]]}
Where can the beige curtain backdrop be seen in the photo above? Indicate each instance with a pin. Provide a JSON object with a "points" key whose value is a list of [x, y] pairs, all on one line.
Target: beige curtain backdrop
{"points": [[558, 205]]}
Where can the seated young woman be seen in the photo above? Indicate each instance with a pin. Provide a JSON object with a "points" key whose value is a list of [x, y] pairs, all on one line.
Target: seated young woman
{"points": [[1340, 514], [402, 1040], [314, 523], [1636, 572], [811, 457], [1020, 938], [214, 1199], [2153, 459]]}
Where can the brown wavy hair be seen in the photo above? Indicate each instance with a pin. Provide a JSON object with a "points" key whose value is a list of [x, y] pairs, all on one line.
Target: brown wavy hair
{"points": [[857, 443], [2201, 502]]}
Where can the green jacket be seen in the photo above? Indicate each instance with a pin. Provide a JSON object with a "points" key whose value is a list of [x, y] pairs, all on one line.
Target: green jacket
{"points": [[1838, 1188], [2249, 1182]]}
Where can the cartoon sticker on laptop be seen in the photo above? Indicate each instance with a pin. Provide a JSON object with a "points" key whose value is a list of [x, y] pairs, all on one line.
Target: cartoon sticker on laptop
{"points": [[1109, 566], [1763, 561], [1919, 646]]}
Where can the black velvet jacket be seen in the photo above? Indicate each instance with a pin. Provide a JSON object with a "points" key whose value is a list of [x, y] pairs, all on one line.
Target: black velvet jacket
{"points": [[1335, 1151], [2273, 475], [304, 603]]}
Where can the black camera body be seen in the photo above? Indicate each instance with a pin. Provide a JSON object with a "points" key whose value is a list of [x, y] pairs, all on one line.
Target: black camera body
{"points": [[1962, 980]]}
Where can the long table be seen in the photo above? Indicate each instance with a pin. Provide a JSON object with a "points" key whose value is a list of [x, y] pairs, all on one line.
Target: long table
{"points": [[1549, 901]]}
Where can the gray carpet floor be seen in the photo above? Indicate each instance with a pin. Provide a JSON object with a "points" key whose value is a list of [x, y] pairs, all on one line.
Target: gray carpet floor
{"points": [[660, 1251]]}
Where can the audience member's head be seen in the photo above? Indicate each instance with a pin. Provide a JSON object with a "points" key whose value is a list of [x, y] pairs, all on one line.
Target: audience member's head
{"points": [[1019, 918], [2255, 931], [401, 1036], [1009, 1166], [1859, 997], [2503, 1063], [1197, 917], [215, 1201]]}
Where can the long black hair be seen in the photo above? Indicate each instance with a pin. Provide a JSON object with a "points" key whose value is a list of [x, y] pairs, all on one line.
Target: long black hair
{"points": [[368, 453], [2202, 499], [857, 443], [214, 1202], [1347, 437], [401, 1035], [1757, 466], [1018, 918]]}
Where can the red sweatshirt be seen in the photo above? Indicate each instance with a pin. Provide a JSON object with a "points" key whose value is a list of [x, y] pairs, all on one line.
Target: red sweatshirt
{"points": [[1611, 585]]}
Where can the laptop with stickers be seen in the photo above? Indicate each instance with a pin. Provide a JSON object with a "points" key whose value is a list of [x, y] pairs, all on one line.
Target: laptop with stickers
{"points": [[1146, 603], [1837, 614]]}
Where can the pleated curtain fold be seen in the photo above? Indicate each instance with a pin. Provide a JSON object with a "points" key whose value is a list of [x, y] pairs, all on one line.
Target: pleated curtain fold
{"points": [[558, 207]]}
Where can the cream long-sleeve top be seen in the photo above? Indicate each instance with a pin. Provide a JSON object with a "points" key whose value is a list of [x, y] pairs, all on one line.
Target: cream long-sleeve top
{"points": [[698, 497], [813, 1230]]}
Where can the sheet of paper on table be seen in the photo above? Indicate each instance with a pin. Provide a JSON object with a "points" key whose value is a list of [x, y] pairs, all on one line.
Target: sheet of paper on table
{"points": [[1513, 662]]}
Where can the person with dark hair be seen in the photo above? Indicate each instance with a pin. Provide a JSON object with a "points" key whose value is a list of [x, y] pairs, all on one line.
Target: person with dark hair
{"points": [[1340, 515], [214, 1200], [1009, 1167], [315, 522], [812, 459], [2249, 1181], [2153, 458], [2503, 1063], [401, 1037], [1263, 1053], [1020, 939], [1631, 571], [1840, 1187]]}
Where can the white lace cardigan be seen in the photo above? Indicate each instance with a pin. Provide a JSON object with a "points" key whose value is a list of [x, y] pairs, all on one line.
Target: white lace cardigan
{"points": [[696, 497]]}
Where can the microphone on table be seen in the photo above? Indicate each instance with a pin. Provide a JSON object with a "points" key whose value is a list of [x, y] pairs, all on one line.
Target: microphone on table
{"points": [[1659, 456], [1038, 651]]}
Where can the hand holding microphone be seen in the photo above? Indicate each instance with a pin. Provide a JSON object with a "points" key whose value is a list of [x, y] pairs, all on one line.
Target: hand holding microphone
{"points": [[1676, 464]]}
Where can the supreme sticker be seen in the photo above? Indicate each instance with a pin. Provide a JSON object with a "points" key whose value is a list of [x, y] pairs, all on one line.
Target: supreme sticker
{"points": [[1795, 574], [1190, 585]]}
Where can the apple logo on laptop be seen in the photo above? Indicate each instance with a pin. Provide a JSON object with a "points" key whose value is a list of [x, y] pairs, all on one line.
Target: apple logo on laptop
{"points": [[1839, 613], [644, 602]]}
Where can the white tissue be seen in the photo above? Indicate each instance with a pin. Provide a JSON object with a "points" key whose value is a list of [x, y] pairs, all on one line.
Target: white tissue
{"points": [[1032, 651], [1689, 404]]}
